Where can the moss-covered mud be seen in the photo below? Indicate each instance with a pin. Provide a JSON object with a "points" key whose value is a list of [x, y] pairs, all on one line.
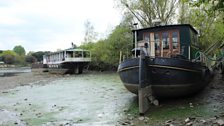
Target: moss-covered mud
{"points": [[205, 108], [101, 99]]}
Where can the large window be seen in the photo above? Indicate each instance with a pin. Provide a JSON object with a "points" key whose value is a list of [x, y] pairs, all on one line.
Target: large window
{"points": [[165, 40], [175, 40]]}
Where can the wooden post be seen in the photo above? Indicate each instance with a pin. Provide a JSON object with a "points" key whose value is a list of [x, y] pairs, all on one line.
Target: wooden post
{"points": [[135, 43], [144, 90]]}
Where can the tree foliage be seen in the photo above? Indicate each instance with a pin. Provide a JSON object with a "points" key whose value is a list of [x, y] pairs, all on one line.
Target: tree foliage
{"points": [[202, 15], [90, 34], [9, 57], [145, 11], [105, 53], [30, 59], [19, 50], [216, 5], [39, 55]]}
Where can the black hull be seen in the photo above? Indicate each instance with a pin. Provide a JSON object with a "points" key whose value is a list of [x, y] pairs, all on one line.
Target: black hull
{"points": [[67, 67], [169, 77]]}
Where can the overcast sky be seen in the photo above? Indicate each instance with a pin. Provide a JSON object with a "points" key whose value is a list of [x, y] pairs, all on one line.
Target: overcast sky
{"points": [[48, 25]]}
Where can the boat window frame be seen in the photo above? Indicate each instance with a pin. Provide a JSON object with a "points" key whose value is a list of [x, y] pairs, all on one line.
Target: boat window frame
{"points": [[177, 50], [160, 51], [146, 33]]}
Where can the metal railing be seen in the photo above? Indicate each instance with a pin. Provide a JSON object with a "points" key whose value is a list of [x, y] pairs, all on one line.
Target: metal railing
{"points": [[208, 60]]}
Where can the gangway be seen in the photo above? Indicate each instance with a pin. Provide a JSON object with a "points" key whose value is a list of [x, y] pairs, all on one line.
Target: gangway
{"points": [[214, 62]]}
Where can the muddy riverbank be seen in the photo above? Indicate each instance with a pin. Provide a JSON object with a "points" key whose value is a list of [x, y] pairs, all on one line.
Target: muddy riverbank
{"points": [[86, 99], [14, 79], [99, 98], [203, 109]]}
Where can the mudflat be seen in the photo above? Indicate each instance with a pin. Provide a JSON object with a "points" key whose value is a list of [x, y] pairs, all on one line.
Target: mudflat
{"points": [[11, 81], [99, 98]]}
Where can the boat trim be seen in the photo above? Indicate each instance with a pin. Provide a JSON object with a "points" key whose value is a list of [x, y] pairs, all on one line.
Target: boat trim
{"points": [[128, 68], [159, 66], [176, 68]]}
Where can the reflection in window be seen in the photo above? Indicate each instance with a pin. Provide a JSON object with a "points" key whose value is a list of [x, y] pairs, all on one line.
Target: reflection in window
{"points": [[165, 40], [146, 37], [175, 40], [156, 38], [78, 54]]}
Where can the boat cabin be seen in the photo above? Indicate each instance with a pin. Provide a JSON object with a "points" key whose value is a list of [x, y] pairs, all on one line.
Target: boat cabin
{"points": [[68, 55], [168, 40]]}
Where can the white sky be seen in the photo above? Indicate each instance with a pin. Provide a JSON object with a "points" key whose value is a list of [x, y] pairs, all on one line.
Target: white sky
{"points": [[48, 25]]}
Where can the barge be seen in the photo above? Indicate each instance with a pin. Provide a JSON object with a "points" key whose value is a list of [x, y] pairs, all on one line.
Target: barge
{"points": [[68, 61], [171, 67]]}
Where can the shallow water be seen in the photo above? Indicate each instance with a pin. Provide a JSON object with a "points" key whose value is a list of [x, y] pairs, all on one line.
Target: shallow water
{"points": [[87, 99], [12, 71]]}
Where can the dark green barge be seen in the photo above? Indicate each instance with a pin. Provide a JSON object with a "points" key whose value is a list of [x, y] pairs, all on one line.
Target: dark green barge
{"points": [[172, 67]]}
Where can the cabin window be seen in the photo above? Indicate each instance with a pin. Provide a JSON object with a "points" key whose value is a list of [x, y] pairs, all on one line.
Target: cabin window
{"points": [[175, 40], [147, 40], [146, 37], [86, 54], [157, 41], [78, 54], [165, 40], [69, 54]]}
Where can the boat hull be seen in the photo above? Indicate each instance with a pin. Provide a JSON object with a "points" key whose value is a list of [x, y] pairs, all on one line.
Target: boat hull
{"points": [[67, 67], [168, 77]]}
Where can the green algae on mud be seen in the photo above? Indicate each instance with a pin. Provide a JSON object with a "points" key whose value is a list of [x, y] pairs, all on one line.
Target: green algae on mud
{"points": [[158, 115], [87, 99], [203, 108], [98, 99]]}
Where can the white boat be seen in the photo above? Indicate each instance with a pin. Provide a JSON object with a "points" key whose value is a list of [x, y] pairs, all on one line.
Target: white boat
{"points": [[67, 61]]}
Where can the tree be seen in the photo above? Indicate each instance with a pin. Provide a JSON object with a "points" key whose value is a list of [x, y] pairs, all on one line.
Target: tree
{"points": [[9, 57], [105, 53], [19, 50], [216, 5], [145, 11], [208, 21], [30, 59], [39, 55], [119, 40], [90, 34], [184, 12]]}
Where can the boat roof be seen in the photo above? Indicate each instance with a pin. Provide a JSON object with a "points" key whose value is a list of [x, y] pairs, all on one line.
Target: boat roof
{"points": [[167, 26], [76, 49], [69, 49]]}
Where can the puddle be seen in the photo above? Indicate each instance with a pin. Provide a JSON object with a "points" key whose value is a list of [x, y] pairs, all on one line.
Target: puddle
{"points": [[87, 99]]}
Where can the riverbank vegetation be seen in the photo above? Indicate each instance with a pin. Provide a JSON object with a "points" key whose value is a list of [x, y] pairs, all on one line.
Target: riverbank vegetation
{"points": [[18, 57], [206, 16]]}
